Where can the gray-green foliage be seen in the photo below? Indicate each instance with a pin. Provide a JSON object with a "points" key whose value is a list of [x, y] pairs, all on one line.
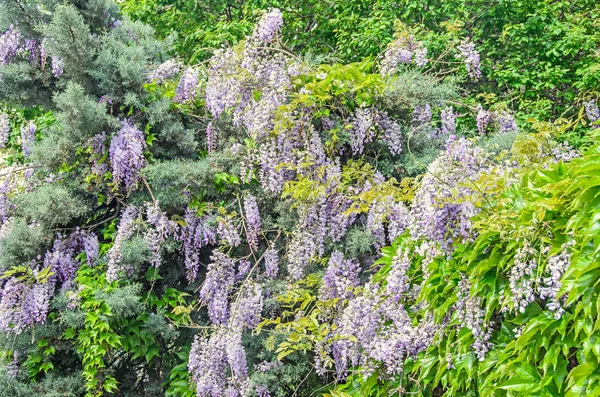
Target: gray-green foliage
{"points": [[51, 386], [22, 243], [170, 180], [122, 67], [124, 301], [50, 205], [412, 89]]}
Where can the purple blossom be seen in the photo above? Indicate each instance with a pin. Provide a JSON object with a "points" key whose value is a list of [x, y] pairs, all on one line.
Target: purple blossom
{"points": [[592, 112], [57, 66], [99, 149], [550, 284], [565, 152], [271, 263], [448, 121], [12, 368], [422, 114], [392, 132], [398, 282], [215, 290], [28, 137], [271, 178], [471, 315], [506, 123], [436, 215], [483, 119], [361, 129], [262, 391], [24, 303], [470, 56], [222, 88], [236, 355], [195, 234], [163, 228], [402, 51], [4, 129], [5, 187], [398, 220], [301, 250], [228, 232], [164, 71], [10, 43], [244, 267], [253, 223], [341, 277], [188, 86], [248, 308], [522, 277], [211, 137], [207, 364], [91, 247], [268, 26], [127, 155], [124, 232], [61, 260]]}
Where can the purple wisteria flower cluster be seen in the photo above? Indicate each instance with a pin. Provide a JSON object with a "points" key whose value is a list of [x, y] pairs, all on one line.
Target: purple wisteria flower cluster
{"points": [[25, 297], [163, 228], [592, 112], [470, 56], [195, 234], [4, 129], [10, 43], [253, 223], [187, 89], [403, 50], [376, 332], [551, 283], [127, 227], [28, 137], [471, 315], [164, 71], [441, 210], [127, 156], [504, 121], [341, 277]]}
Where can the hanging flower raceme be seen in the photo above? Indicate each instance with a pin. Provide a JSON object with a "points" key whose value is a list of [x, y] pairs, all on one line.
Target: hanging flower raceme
{"points": [[361, 131], [470, 56], [195, 234], [341, 277], [4, 129], [268, 26], [422, 114], [28, 137], [506, 123], [217, 286], [127, 156], [57, 66], [188, 86], [435, 214], [403, 50], [448, 121], [483, 119], [271, 263], [253, 223], [124, 232], [10, 43], [24, 302], [164, 71], [156, 237], [592, 112]]}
